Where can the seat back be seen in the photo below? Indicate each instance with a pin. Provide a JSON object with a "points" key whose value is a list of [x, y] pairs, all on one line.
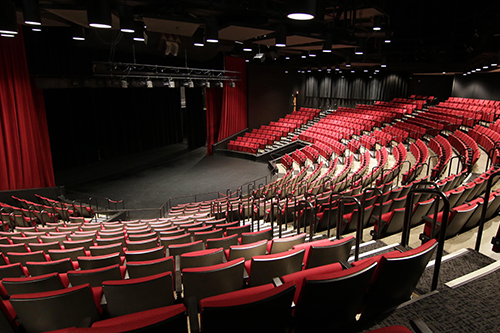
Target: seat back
{"points": [[133, 295], [73, 254], [142, 255], [264, 269], [45, 247], [137, 269], [395, 279], [22, 258], [204, 235], [202, 258], [53, 310], [202, 282], [252, 237], [55, 266], [260, 307], [99, 261], [181, 239], [237, 230], [101, 250], [28, 285], [12, 270], [286, 243], [95, 277], [224, 242], [5, 248], [113, 240], [247, 251], [85, 243], [346, 287], [142, 244], [178, 249], [326, 252]]}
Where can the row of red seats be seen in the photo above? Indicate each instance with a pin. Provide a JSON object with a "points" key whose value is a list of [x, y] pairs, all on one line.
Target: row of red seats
{"points": [[442, 148], [473, 101], [368, 141], [381, 156], [299, 157], [383, 138], [399, 153], [414, 131], [311, 153], [287, 161], [421, 154], [323, 149], [397, 134], [353, 145]]}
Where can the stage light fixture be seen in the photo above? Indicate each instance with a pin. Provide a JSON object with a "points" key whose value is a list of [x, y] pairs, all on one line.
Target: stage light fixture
{"points": [[377, 23], [232, 84], [77, 32], [149, 83], [31, 12], [126, 19], [8, 18], [139, 31], [302, 10], [280, 36], [327, 45], [199, 37], [212, 31], [124, 83], [99, 14]]}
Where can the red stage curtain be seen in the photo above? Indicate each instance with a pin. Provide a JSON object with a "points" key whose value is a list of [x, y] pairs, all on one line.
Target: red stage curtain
{"points": [[227, 107], [234, 100], [213, 103], [24, 140]]}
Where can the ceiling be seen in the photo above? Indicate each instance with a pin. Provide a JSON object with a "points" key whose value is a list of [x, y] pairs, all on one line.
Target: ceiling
{"points": [[426, 36]]}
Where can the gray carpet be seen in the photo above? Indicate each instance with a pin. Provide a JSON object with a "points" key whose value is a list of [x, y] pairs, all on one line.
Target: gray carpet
{"points": [[452, 269], [470, 308]]}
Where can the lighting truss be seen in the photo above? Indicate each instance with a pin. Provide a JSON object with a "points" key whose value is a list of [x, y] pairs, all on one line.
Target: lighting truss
{"points": [[131, 70]]}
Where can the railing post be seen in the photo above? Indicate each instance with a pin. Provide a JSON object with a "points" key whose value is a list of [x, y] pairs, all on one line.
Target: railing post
{"points": [[444, 224], [485, 207]]}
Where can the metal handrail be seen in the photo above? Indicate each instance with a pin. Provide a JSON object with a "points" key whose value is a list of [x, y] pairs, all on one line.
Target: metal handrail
{"points": [[405, 236], [485, 207], [359, 225]]}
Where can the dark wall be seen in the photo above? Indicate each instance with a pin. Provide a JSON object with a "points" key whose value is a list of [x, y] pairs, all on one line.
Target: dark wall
{"points": [[88, 125], [439, 86], [269, 94], [196, 118], [482, 86]]}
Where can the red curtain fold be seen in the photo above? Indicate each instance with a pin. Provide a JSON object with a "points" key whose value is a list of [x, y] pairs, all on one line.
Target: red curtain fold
{"points": [[227, 107], [24, 140], [213, 103], [234, 100]]}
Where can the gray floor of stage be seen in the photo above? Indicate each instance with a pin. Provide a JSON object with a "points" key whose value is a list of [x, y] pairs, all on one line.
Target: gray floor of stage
{"points": [[149, 179]]}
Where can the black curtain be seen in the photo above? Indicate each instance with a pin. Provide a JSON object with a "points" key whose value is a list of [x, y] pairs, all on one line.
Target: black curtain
{"points": [[196, 119], [88, 125], [355, 87]]}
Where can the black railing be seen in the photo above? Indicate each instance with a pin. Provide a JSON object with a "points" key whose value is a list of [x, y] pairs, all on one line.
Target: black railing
{"points": [[485, 207], [405, 236]]}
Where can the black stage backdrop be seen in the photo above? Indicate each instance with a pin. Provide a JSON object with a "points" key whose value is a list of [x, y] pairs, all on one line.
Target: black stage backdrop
{"points": [[88, 125]]}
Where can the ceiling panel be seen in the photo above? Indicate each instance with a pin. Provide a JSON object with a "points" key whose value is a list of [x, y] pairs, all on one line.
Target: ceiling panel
{"points": [[320, 47], [171, 27], [290, 40], [80, 16], [234, 32]]}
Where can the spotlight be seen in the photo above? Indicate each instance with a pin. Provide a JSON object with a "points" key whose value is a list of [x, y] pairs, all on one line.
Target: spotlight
{"points": [[287, 58], [387, 38], [78, 32], [377, 23], [485, 67], [199, 37], [139, 31], [312, 54], [191, 84], [281, 36], [303, 10], [303, 56], [247, 47], [7, 35], [211, 31], [36, 29], [171, 83], [232, 84], [478, 69], [361, 47], [126, 19], [8, 18], [384, 62], [124, 83], [494, 64], [327, 45], [149, 83], [348, 62], [99, 14], [31, 12], [221, 84]]}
